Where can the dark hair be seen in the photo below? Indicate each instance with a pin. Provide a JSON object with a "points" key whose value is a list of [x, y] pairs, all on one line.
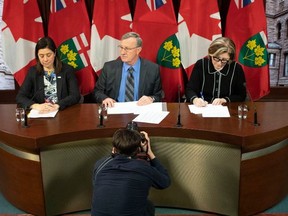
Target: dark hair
{"points": [[126, 142], [47, 42]]}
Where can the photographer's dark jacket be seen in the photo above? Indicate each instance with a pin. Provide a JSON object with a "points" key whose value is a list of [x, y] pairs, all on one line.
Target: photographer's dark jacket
{"points": [[121, 185]]}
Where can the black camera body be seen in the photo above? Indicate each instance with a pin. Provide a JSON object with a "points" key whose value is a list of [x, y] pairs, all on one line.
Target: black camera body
{"points": [[143, 154], [133, 126]]}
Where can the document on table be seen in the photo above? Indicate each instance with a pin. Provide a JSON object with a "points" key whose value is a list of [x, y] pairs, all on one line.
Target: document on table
{"points": [[153, 117], [35, 114], [132, 107], [210, 110], [152, 113]]}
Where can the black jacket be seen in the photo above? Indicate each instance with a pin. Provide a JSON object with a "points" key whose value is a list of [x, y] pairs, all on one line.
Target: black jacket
{"points": [[32, 89]]}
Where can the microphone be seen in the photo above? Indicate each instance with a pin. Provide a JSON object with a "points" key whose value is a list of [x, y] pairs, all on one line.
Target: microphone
{"points": [[255, 116], [179, 108], [25, 123], [101, 117]]}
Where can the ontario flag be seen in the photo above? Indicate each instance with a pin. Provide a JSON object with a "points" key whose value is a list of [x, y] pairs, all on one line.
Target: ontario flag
{"points": [[21, 28], [246, 26], [69, 27], [199, 23], [155, 21], [111, 19]]}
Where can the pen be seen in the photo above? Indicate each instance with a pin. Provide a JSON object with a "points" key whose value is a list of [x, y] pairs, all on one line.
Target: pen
{"points": [[201, 95]]}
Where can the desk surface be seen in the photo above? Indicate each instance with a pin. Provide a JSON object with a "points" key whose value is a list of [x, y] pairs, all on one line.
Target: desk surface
{"points": [[80, 122], [77, 123]]}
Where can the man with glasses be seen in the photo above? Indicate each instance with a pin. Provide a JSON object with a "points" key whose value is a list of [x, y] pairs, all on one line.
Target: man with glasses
{"points": [[129, 78], [217, 78]]}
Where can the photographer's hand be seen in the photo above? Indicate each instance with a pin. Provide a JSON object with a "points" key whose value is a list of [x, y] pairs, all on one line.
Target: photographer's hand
{"points": [[150, 152]]}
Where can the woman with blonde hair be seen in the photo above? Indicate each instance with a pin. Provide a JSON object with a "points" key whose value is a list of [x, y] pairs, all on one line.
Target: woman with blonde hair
{"points": [[217, 78]]}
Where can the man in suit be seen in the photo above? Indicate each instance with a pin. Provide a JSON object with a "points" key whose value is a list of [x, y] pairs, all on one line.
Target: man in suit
{"points": [[111, 84]]}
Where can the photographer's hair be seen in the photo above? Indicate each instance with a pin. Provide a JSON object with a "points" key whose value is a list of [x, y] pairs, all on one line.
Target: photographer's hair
{"points": [[222, 45], [47, 42], [133, 35], [126, 142]]}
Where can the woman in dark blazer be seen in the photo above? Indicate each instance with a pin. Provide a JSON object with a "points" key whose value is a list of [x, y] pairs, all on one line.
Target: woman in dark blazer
{"points": [[50, 84]]}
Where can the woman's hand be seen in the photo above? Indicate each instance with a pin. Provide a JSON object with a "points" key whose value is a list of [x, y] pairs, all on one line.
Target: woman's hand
{"points": [[199, 102], [45, 107], [219, 101]]}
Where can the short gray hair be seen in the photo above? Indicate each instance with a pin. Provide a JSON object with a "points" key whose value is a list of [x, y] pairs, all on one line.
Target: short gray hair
{"points": [[133, 35]]}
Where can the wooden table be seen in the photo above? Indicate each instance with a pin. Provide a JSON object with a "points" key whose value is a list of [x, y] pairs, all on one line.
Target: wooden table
{"points": [[222, 165]]}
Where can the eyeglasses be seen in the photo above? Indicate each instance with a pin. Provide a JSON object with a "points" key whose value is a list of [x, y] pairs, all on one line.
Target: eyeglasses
{"points": [[126, 49], [223, 61]]}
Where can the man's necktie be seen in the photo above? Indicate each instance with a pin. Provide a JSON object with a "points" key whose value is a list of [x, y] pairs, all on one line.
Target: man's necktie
{"points": [[129, 92]]}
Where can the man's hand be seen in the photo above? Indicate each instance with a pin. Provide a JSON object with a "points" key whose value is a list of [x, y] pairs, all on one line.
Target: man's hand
{"points": [[108, 102], [148, 145], [145, 100]]}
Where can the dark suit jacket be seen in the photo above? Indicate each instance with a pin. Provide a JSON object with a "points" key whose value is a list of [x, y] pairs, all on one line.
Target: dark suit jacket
{"points": [[32, 89], [108, 83]]}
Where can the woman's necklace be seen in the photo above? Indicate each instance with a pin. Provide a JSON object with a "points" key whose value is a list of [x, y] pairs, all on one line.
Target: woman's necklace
{"points": [[49, 71]]}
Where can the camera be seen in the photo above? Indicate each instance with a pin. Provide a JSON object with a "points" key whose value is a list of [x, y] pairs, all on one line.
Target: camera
{"points": [[143, 152], [133, 126]]}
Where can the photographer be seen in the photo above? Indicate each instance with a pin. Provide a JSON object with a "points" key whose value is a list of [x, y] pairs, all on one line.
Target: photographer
{"points": [[122, 181]]}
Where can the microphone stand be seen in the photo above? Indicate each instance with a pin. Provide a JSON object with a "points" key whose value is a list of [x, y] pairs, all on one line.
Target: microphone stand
{"points": [[179, 125], [255, 116], [101, 118], [25, 123]]}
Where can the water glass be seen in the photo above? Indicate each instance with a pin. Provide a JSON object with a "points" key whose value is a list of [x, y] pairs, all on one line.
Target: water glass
{"points": [[20, 114], [242, 111]]}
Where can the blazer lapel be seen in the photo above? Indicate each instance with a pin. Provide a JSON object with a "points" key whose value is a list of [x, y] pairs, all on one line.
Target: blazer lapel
{"points": [[118, 77], [142, 78], [59, 78], [39, 85]]}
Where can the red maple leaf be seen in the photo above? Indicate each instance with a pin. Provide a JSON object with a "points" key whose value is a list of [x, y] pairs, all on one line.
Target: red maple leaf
{"points": [[197, 15], [23, 19]]}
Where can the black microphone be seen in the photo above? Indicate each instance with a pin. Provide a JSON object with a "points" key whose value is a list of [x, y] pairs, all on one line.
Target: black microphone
{"points": [[255, 116], [101, 117], [25, 123], [179, 108]]}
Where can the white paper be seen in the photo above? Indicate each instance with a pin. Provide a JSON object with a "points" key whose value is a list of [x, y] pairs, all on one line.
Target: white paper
{"points": [[132, 107], [210, 110], [35, 114], [153, 117], [122, 108]]}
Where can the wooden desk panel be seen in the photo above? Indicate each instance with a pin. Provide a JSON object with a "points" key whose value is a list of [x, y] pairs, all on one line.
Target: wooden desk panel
{"points": [[80, 123]]}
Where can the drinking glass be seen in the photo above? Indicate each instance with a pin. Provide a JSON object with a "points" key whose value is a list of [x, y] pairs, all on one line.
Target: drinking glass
{"points": [[242, 111], [20, 114]]}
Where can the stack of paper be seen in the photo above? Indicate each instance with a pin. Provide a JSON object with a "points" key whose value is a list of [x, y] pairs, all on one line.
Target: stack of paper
{"points": [[35, 114], [210, 110], [151, 113]]}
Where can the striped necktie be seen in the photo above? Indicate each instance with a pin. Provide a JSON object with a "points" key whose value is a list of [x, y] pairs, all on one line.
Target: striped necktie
{"points": [[129, 92]]}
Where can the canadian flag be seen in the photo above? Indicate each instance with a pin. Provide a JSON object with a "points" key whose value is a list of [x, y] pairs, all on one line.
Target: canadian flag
{"points": [[246, 26], [199, 24], [21, 29], [111, 19], [71, 34]]}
